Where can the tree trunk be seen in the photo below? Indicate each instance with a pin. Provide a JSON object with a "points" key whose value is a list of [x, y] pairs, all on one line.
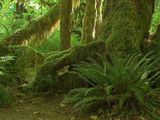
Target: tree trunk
{"points": [[89, 22], [126, 23], [65, 24], [98, 17]]}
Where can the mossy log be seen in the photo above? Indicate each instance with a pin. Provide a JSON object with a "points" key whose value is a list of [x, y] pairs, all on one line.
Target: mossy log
{"points": [[57, 62], [126, 23], [36, 28], [71, 56]]}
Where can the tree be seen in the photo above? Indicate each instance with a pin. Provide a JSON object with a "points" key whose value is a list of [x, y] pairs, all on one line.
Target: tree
{"points": [[125, 25], [65, 24], [89, 21], [98, 19]]}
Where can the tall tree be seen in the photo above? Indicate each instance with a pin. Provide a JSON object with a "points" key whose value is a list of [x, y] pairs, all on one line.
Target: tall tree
{"points": [[89, 21], [65, 24]]}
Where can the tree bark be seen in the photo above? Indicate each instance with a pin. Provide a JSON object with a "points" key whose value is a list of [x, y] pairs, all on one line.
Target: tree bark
{"points": [[65, 24], [89, 22], [126, 24]]}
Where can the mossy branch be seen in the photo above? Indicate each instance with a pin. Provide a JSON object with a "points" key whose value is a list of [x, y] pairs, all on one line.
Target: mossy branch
{"points": [[36, 28]]}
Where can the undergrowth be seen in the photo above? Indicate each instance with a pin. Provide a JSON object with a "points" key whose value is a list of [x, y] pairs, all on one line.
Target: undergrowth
{"points": [[119, 84]]}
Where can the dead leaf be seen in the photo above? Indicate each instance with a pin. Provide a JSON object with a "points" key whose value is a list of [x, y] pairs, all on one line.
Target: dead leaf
{"points": [[141, 118], [94, 117], [17, 110], [35, 113], [62, 105]]}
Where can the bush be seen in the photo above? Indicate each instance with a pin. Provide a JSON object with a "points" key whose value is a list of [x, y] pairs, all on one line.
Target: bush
{"points": [[119, 82]]}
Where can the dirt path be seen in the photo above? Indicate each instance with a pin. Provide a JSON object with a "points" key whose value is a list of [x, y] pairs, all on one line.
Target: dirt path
{"points": [[40, 109]]}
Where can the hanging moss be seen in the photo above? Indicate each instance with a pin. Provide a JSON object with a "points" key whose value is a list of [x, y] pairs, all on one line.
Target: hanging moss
{"points": [[36, 28], [126, 24], [65, 24], [89, 21]]}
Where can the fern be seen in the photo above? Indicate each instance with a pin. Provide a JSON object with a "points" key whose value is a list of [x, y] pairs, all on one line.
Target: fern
{"points": [[121, 80], [5, 97]]}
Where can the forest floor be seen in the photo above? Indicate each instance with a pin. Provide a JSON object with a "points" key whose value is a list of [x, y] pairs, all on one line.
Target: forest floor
{"points": [[40, 108]]}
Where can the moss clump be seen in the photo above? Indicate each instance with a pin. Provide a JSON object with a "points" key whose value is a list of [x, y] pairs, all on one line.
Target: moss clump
{"points": [[126, 24]]}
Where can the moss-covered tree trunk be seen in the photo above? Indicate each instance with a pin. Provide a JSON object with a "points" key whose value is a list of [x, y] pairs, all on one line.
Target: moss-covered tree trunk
{"points": [[98, 19], [65, 24], [126, 23], [89, 22]]}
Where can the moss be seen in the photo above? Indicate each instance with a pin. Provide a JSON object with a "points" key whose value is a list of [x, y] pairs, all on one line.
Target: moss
{"points": [[65, 24], [126, 24], [36, 28], [89, 21], [71, 56]]}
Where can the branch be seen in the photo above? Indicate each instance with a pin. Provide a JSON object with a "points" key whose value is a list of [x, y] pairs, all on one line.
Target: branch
{"points": [[36, 28]]}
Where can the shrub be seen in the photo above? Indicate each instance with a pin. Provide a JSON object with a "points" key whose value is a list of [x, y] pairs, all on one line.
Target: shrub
{"points": [[119, 82]]}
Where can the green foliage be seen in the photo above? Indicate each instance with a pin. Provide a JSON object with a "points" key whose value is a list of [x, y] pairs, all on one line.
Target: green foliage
{"points": [[120, 81], [5, 77], [5, 97], [53, 43]]}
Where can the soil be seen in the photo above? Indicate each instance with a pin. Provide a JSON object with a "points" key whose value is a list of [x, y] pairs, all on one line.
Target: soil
{"points": [[40, 108]]}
